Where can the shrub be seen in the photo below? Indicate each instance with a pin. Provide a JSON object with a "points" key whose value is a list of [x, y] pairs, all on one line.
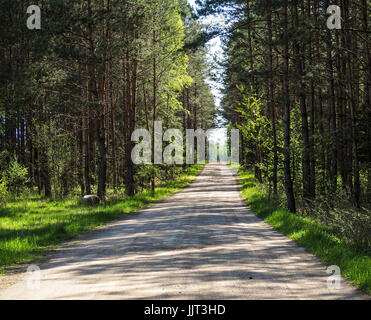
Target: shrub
{"points": [[347, 222], [3, 191], [17, 177]]}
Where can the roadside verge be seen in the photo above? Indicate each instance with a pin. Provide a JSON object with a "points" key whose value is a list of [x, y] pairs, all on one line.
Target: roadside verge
{"points": [[316, 238]]}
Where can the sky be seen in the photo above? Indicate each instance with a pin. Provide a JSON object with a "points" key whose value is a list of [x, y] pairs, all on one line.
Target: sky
{"points": [[192, 2], [215, 51]]}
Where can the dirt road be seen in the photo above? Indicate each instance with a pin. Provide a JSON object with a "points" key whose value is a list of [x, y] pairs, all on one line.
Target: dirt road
{"points": [[202, 243]]}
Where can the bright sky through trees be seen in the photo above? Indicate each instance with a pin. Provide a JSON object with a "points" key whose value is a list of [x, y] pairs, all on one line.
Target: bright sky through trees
{"points": [[215, 54], [215, 51]]}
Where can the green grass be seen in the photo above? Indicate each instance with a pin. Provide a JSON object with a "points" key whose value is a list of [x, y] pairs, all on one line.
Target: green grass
{"points": [[29, 228], [355, 263]]}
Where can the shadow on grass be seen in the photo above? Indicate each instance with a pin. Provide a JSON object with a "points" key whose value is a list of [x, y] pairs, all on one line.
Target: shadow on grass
{"points": [[28, 228]]}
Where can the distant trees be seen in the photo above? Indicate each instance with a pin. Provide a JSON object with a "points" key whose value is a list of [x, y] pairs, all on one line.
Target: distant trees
{"points": [[72, 93]]}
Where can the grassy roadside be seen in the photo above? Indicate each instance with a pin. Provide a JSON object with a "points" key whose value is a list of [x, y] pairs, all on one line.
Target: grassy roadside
{"points": [[355, 263], [29, 228]]}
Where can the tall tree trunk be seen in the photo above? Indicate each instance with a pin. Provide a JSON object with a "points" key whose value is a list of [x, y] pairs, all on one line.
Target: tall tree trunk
{"points": [[102, 168], [287, 119], [132, 118], [272, 104], [130, 74], [351, 80], [312, 109], [333, 126], [341, 113], [154, 109], [365, 11], [299, 66]]}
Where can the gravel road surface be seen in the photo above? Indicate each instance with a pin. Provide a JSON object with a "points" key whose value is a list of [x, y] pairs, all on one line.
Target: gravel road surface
{"points": [[201, 243]]}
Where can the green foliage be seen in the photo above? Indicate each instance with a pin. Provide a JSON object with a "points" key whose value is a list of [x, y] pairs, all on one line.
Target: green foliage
{"points": [[27, 230], [59, 85], [13, 177], [254, 124], [3, 191], [16, 177], [351, 225], [5, 158], [315, 144]]}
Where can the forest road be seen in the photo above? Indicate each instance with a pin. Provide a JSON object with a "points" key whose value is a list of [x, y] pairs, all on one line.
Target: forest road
{"points": [[201, 243]]}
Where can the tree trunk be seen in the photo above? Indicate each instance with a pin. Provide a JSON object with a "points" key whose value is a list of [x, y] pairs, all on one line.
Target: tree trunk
{"points": [[333, 126], [154, 108], [287, 119], [365, 10], [299, 66]]}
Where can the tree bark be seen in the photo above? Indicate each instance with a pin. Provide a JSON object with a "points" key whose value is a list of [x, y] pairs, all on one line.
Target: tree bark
{"points": [[291, 204]]}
